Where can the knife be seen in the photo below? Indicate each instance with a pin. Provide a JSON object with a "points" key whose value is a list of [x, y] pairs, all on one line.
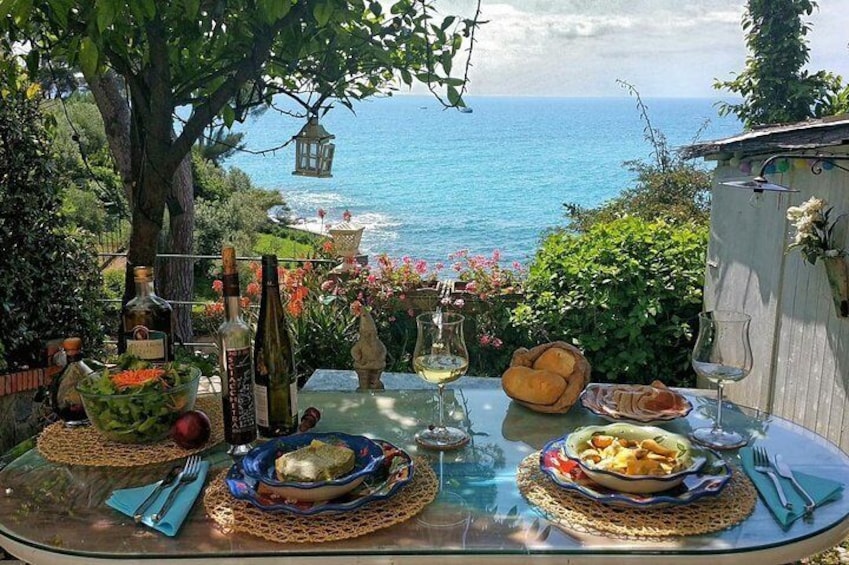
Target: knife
{"points": [[785, 472], [169, 479]]}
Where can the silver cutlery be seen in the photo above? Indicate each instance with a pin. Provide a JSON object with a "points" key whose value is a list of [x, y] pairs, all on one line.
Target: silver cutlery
{"points": [[783, 470], [188, 474], [762, 465], [169, 480]]}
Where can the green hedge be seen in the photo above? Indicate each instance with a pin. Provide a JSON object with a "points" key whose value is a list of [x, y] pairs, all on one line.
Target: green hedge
{"points": [[627, 292]]}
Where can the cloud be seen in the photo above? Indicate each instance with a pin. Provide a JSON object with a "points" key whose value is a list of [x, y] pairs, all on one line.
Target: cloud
{"points": [[664, 47]]}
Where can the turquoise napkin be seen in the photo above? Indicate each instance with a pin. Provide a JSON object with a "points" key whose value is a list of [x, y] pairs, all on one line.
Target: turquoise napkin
{"points": [[127, 500], [821, 490]]}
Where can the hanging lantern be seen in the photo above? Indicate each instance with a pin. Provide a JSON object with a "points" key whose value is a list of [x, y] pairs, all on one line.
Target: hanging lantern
{"points": [[313, 151], [346, 243]]}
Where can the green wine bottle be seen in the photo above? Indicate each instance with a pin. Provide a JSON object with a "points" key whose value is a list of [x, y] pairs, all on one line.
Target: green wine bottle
{"points": [[275, 381]]}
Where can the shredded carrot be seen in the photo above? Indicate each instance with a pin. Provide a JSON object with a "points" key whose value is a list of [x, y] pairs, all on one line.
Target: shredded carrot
{"points": [[137, 377]]}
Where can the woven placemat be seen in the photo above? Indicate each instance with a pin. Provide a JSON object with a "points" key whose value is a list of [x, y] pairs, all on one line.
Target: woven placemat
{"points": [[579, 513], [233, 515], [85, 446]]}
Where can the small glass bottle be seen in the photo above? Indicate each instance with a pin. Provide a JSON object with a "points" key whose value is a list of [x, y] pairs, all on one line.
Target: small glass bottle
{"points": [[275, 381], [147, 322], [64, 398], [237, 383]]}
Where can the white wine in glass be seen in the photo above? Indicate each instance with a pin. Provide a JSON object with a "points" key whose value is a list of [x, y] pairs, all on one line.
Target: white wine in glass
{"points": [[440, 357], [722, 353]]}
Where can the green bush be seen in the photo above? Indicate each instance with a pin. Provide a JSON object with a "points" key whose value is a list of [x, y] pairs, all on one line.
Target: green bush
{"points": [[49, 278], [627, 292]]}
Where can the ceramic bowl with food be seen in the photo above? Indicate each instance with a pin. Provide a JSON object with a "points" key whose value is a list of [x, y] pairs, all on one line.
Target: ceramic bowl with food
{"points": [[312, 466], [632, 458], [647, 404], [138, 402]]}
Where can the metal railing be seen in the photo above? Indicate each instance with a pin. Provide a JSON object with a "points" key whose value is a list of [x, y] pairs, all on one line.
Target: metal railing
{"points": [[190, 303]]}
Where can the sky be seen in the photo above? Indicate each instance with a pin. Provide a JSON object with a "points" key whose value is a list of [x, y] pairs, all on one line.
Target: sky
{"points": [[665, 48]]}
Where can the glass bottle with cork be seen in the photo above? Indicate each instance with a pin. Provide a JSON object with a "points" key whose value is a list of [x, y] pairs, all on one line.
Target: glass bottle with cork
{"points": [[234, 346], [147, 322], [64, 398], [275, 381]]}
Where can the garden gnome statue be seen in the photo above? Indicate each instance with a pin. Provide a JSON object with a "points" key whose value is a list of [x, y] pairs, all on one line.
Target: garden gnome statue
{"points": [[369, 355]]}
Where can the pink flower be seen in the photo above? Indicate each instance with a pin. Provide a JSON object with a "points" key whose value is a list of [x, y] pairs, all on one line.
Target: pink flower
{"points": [[392, 318], [401, 296], [322, 213], [484, 339], [372, 279], [218, 286], [411, 313], [421, 266], [445, 301], [252, 289], [406, 260], [328, 285], [439, 266], [346, 216], [497, 343], [471, 286], [459, 303], [496, 255], [356, 308]]}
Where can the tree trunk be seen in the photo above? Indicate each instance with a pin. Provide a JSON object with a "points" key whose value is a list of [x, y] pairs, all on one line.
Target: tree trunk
{"points": [[175, 277], [115, 109]]}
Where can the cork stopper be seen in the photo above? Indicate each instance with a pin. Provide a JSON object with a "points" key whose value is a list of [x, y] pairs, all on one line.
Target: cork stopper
{"points": [[228, 259], [231, 274], [142, 274], [72, 345]]}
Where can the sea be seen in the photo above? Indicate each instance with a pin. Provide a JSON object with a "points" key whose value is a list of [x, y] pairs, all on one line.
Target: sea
{"points": [[426, 181]]}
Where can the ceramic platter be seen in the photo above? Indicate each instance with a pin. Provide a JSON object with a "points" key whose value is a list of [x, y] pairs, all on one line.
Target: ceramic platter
{"points": [[664, 405], [567, 474], [391, 476]]}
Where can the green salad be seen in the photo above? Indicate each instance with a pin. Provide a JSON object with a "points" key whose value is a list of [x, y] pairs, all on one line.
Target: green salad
{"points": [[136, 401]]}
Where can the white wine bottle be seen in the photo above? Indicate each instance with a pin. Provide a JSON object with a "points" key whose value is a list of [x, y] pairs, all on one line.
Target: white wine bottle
{"points": [[275, 381], [234, 345]]}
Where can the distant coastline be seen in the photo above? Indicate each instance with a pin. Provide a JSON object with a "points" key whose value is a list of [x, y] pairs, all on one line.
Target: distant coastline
{"points": [[428, 183]]}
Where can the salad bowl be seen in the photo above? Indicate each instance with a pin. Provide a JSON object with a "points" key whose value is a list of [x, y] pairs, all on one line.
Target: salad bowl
{"points": [[138, 402]]}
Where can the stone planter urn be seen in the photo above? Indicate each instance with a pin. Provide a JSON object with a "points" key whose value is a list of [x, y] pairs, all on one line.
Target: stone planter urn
{"points": [[837, 272]]}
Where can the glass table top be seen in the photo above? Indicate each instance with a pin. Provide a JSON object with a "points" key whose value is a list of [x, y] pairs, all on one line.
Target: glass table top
{"points": [[57, 509]]}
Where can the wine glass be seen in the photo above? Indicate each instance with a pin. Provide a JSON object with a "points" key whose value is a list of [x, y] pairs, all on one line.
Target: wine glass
{"points": [[440, 356], [722, 353]]}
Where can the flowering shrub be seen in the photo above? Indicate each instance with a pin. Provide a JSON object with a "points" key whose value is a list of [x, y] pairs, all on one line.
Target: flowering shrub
{"points": [[323, 308], [814, 230]]}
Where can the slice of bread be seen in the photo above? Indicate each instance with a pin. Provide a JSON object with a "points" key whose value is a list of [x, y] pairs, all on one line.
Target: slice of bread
{"points": [[318, 461]]}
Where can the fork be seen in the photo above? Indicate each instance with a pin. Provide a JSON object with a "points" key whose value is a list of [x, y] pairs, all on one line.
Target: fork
{"points": [[189, 473], [762, 465]]}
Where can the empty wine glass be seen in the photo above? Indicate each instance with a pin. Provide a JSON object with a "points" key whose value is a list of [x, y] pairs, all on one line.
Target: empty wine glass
{"points": [[722, 353], [440, 356]]}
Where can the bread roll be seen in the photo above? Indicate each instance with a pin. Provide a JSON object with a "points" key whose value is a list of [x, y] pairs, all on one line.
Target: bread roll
{"points": [[556, 360], [532, 385]]}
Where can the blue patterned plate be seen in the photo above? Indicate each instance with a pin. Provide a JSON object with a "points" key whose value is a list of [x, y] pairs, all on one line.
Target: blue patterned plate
{"points": [[392, 474], [567, 474], [259, 464]]}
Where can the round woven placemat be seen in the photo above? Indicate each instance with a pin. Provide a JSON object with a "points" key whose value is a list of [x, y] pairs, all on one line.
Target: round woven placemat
{"points": [[85, 446], [579, 513], [233, 515]]}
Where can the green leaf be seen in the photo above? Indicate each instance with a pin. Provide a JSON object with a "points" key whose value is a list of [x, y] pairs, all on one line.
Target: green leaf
{"points": [[454, 97], [406, 77], [375, 8], [191, 7], [322, 13], [33, 59], [88, 56], [228, 115], [446, 23], [105, 14]]}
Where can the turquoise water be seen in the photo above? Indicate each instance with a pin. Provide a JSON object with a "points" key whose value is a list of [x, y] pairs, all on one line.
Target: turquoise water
{"points": [[427, 182]]}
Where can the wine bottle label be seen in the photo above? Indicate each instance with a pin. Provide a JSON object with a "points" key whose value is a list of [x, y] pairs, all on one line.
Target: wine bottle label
{"points": [[147, 344], [293, 398], [261, 398], [240, 390]]}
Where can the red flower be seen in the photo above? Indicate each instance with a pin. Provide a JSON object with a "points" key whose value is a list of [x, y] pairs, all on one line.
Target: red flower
{"points": [[218, 286], [321, 213], [346, 216]]}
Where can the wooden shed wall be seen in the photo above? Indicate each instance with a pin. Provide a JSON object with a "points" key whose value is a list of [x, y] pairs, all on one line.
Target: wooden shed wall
{"points": [[800, 345]]}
